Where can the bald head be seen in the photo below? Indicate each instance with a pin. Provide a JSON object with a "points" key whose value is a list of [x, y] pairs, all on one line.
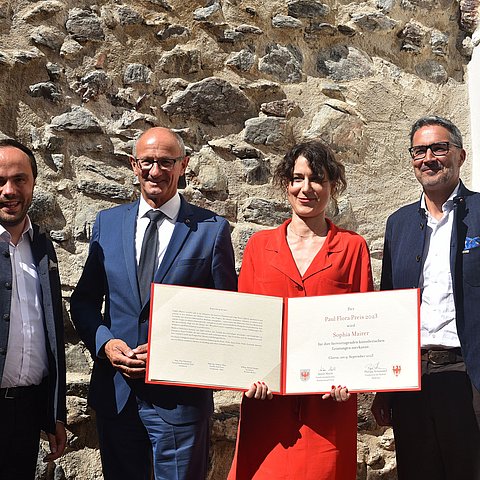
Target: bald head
{"points": [[159, 134]]}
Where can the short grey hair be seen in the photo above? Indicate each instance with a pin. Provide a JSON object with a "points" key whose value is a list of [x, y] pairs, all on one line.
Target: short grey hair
{"points": [[455, 134], [181, 143]]}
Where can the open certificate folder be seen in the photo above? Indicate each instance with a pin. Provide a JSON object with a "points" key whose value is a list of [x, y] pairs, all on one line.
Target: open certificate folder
{"points": [[228, 340]]}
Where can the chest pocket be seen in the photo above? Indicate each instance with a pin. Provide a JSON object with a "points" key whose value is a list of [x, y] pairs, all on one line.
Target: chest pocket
{"points": [[471, 266]]}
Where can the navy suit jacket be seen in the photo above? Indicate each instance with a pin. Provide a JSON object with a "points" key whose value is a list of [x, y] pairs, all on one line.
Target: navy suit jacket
{"points": [[47, 270], [402, 265], [199, 254]]}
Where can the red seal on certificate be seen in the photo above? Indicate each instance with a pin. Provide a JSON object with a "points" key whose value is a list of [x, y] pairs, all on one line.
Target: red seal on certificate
{"points": [[305, 374], [397, 369]]}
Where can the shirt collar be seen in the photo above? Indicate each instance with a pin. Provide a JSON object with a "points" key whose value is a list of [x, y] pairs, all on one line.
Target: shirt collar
{"points": [[170, 208], [28, 228], [447, 206]]}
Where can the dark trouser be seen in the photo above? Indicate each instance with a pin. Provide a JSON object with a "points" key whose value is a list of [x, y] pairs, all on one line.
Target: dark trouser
{"points": [[20, 421], [437, 433], [127, 446]]}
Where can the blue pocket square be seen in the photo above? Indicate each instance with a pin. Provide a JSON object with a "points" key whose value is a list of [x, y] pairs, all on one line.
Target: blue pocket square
{"points": [[471, 242]]}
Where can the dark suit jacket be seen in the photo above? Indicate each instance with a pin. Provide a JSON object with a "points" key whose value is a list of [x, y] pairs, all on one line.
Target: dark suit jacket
{"points": [[199, 254], [402, 264], [47, 269]]}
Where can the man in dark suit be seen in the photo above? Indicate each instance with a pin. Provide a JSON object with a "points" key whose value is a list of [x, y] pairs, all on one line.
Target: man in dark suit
{"points": [[184, 245], [32, 351], [434, 245]]}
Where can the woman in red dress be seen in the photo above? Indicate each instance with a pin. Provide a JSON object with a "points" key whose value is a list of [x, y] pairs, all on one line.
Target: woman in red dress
{"points": [[302, 437]]}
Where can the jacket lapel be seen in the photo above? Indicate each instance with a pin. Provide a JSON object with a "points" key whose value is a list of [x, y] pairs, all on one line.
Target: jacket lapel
{"points": [[128, 236]]}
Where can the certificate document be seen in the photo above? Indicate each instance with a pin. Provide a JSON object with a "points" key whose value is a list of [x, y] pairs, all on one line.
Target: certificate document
{"points": [[228, 340]]}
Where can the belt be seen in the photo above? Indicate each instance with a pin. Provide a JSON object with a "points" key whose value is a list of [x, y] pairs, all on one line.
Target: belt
{"points": [[442, 357], [11, 393]]}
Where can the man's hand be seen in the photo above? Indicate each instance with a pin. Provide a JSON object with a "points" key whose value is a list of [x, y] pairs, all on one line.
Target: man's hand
{"points": [[338, 394], [382, 410], [130, 363], [57, 442], [260, 391]]}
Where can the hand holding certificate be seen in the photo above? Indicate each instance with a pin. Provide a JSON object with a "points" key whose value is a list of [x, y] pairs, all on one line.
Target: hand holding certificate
{"points": [[210, 338]]}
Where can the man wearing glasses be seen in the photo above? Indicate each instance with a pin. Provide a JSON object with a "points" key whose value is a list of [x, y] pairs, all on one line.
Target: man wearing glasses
{"points": [[162, 238], [434, 245]]}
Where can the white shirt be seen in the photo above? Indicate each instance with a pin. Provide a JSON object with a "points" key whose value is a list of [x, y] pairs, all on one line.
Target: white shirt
{"points": [[166, 225], [437, 310], [26, 362]]}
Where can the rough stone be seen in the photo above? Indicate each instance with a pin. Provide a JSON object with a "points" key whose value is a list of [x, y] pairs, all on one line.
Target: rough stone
{"points": [[283, 63], [243, 60], [249, 29], [70, 48], [26, 56], [84, 25], [385, 5], [173, 32], [307, 9], [265, 131], [346, 30], [79, 120], [339, 127], [265, 212], [432, 71], [47, 36], [373, 22], [180, 61], [413, 36], [207, 173], [162, 3], [333, 91], [58, 160], [279, 108], [43, 205], [54, 71], [106, 190], [342, 63], [206, 13], [212, 100], [93, 84], [439, 43], [128, 16], [469, 11], [47, 90], [322, 28], [256, 171], [286, 21], [42, 10], [136, 73]]}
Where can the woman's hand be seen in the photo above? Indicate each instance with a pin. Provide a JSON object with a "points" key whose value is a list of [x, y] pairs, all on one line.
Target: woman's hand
{"points": [[338, 394], [260, 391]]}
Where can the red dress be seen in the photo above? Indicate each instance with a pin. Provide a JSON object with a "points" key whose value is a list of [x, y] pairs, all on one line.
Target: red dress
{"points": [[300, 437]]}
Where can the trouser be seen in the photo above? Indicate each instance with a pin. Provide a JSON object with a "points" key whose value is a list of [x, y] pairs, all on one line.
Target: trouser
{"points": [[437, 434], [21, 411]]}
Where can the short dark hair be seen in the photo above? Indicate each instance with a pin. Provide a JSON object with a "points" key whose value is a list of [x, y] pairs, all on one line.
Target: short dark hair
{"points": [[320, 159], [455, 134], [10, 142]]}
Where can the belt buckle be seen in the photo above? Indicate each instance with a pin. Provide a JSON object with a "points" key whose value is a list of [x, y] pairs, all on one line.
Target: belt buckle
{"points": [[6, 394], [439, 357]]}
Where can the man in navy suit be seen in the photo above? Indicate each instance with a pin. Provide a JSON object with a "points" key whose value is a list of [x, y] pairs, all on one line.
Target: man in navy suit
{"points": [[190, 246], [32, 350], [434, 245]]}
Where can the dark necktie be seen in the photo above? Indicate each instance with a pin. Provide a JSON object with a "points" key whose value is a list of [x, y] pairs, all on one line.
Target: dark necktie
{"points": [[148, 256]]}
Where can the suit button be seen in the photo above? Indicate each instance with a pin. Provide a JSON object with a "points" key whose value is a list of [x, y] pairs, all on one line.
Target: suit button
{"points": [[8, 285], [422, 226], [3, 351], [143, 320], [299, 288], [6, 254], [6, 317], [418, 258]]}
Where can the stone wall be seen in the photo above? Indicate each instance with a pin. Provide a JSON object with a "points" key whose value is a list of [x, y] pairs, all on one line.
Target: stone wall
{"points": [[241, 81]]}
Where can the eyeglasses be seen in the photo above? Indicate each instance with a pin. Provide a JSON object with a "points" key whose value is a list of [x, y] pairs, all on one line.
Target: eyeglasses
{"points": [[167, 164], [439, 149]]}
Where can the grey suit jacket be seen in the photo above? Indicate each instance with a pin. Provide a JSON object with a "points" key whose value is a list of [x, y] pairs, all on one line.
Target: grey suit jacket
{"points": [[47, 268]]}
